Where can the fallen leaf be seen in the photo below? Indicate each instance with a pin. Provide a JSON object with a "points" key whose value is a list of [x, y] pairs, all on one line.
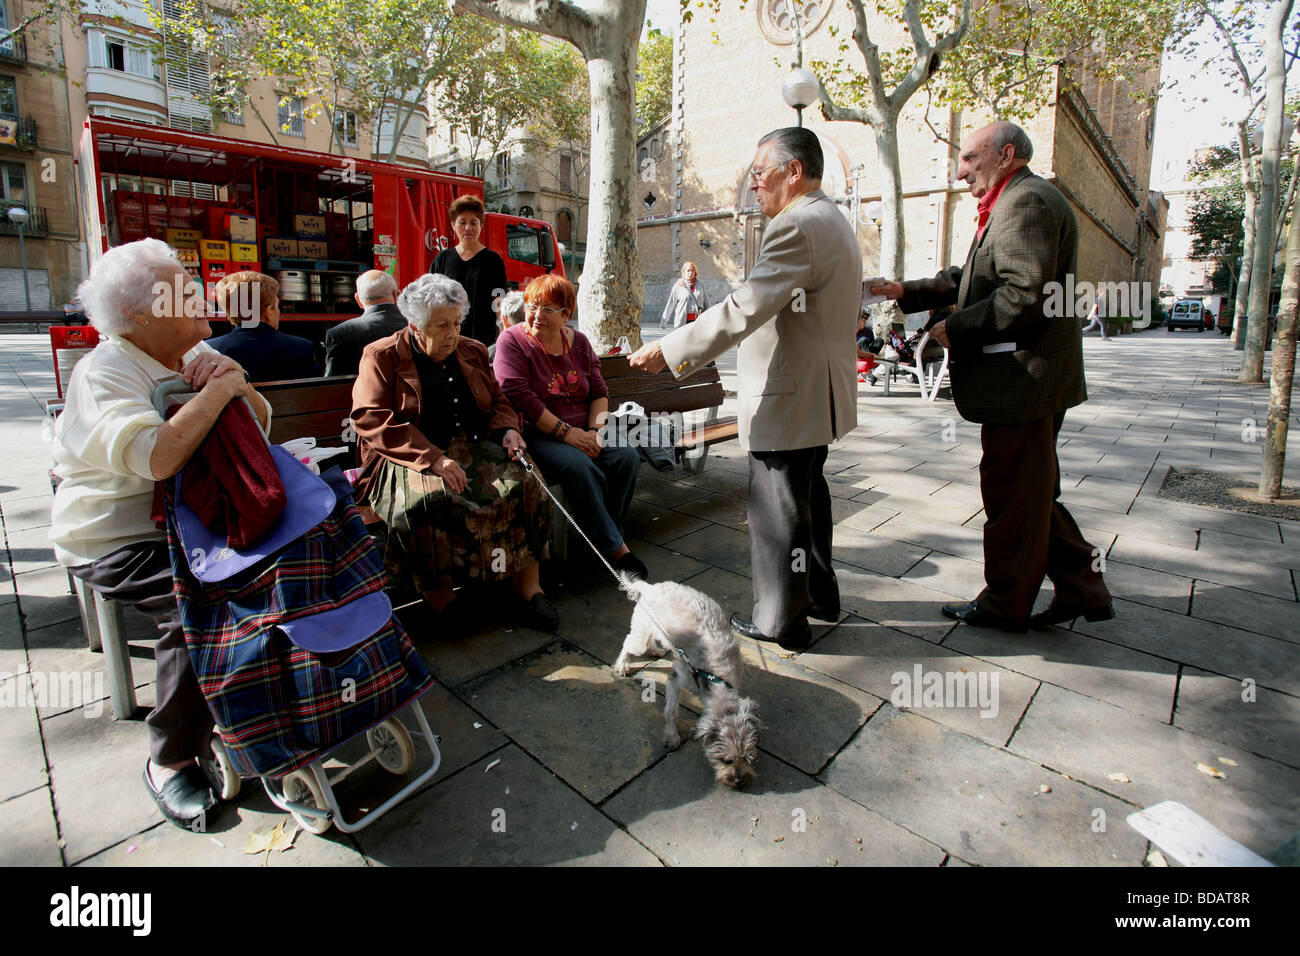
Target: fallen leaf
{"points": [[1118, 777], [833, 862], [259, 841], [778, 839], [282, 838], [1209, 771], [1227, 761], [1044, 788], [278, 838]]}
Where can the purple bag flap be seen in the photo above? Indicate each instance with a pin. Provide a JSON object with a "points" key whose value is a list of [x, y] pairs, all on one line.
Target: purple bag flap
{"points": [[341, 628], [309, 501]]}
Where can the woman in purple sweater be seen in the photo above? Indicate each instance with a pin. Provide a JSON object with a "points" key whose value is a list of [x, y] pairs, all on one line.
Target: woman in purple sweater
{"points": [[552, 377]]}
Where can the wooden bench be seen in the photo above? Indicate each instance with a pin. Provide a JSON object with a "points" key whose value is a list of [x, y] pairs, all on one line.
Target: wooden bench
{"points": [[664, 394], [316, 408]]}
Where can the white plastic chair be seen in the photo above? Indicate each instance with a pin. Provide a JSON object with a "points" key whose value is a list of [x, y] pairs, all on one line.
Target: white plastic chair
{"points": [[929, 377]]}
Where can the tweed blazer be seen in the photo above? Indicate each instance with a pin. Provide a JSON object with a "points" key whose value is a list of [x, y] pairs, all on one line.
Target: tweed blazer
{"points": [[794, 319], [387, 400], [1001, 294]]}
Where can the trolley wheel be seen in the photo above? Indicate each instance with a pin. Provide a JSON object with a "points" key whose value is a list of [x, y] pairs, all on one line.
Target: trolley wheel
{"points": [[220, 771], [301, 787], [393, 741]]}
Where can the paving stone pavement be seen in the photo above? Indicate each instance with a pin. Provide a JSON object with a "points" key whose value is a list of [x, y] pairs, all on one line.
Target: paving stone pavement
{"points": [[548, 759]]}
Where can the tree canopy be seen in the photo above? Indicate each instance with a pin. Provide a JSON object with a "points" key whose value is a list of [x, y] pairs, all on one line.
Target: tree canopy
{"points": [[654, 80]]}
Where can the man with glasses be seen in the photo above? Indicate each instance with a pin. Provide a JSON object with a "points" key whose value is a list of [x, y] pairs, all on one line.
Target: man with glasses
{"points": [[794, 320]]}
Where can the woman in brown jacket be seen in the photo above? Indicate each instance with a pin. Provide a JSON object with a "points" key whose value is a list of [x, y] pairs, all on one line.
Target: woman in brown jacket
{"points": [[437, 440]]}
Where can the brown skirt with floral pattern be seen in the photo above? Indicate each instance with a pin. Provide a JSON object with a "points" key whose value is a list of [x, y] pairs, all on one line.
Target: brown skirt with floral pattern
{"points": [[499, 525]]}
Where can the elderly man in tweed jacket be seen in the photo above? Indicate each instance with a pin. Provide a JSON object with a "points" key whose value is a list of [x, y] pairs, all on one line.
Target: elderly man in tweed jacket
{"points": [[1015, 370], [793, 320]]}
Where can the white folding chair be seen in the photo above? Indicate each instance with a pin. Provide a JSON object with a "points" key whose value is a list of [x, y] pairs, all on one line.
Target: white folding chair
{"points": [[931, 376]]}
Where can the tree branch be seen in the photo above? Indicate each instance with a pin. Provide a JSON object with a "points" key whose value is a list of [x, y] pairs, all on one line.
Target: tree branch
{"points": [[555, 17], [929, 100], [928, 57], [870, 57]]}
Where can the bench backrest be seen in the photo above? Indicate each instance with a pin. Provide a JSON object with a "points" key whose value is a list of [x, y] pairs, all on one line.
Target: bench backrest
{"points": [[309, 408], [660, 392], [318, 407]]}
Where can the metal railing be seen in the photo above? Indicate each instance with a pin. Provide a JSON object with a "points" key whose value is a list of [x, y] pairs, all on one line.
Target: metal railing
{"points": [[18, 133], [14, 47], [38, 225]]}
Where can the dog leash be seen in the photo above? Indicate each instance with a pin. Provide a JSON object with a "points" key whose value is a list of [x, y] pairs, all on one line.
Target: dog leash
{"points": [[696, 672]]}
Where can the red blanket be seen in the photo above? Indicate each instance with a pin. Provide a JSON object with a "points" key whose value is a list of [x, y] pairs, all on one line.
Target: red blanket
{"points": [[231, 482]]}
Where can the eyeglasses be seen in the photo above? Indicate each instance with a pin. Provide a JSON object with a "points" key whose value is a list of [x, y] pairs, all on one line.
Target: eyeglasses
{"points": [[756, 174], [544, 309]]}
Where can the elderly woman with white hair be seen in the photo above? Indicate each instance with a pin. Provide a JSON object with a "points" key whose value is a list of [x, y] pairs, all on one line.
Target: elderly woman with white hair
{"points": [[110, 447], [437, 441]]}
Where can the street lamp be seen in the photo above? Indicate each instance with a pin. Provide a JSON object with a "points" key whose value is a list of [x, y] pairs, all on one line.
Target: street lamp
{"points": [[20, 217], [800, 91]]}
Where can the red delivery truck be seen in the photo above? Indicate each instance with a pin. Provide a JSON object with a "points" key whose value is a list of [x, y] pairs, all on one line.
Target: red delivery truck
{"points": [[314, 221]]}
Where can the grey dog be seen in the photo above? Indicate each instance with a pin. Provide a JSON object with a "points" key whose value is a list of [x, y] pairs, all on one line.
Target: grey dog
{"points": [[705, 656]]}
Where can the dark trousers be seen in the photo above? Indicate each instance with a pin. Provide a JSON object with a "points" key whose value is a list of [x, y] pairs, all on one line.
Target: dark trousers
{"points": [[790, 537], [597, 491], [1028, 534], [140, 575]]}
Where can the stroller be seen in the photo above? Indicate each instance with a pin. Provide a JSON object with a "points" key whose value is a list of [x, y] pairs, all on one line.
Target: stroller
{"points": [[295, 646]]}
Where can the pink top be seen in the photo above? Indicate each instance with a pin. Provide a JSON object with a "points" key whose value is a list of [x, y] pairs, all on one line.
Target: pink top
{"points": [[535, 381]]}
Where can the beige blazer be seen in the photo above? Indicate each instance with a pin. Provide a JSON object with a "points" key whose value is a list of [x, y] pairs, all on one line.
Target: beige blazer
{"points": [[794, 318]]}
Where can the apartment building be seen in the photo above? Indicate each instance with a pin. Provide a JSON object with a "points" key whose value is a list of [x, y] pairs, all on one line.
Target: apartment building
{"points": [[36, 171]]}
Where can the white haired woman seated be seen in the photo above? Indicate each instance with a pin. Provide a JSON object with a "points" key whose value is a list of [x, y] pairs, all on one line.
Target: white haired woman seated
{"points": [[110, 447], [509, 312], [437, 439]]}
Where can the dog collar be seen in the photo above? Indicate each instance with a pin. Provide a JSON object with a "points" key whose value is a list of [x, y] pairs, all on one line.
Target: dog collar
{"points": [[698, 672]]}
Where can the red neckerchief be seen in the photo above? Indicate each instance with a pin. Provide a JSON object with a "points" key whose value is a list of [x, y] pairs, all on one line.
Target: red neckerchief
{"points": [[988, 201]]}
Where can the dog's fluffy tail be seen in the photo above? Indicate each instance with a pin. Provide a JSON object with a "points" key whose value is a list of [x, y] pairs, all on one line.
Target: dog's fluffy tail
{"points": [[632, 585]]}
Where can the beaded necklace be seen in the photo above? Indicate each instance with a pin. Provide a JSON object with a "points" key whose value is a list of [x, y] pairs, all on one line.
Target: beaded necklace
{"points": [[562, 382]]}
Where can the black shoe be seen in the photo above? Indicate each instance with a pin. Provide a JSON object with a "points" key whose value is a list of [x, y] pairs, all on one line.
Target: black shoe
{"points": [[1058, 612], [633, 566], [538, 614], [186, 799], [974, 615], [797, 636]]}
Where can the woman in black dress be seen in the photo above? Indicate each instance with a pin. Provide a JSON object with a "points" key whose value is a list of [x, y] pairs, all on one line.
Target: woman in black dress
{"points": [[476, 267]]}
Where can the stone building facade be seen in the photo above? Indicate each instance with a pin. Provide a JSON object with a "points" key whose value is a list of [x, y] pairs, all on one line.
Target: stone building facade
{"points": [[1094, 142], [36, 165]]}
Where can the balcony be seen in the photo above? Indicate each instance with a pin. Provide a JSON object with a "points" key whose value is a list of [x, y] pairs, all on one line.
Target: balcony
{"points": [[18, 133], [38, 225], [14, 48], [105, 86]]}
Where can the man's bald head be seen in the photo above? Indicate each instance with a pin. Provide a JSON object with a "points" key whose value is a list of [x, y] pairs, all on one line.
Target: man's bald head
{"points": [[992, 153], [375, 287]]}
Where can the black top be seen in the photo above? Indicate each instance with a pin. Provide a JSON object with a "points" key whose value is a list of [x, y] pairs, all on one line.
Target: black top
{"points": [[484, 277], [447, 406], [267, 354], [344, 342]]}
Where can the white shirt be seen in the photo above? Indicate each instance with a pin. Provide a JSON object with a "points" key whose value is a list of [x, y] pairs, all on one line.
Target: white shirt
{"points": [[103, 442]]}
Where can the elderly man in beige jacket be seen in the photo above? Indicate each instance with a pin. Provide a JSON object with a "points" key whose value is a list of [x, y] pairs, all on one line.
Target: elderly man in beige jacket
{"points": [[794, 319]]}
